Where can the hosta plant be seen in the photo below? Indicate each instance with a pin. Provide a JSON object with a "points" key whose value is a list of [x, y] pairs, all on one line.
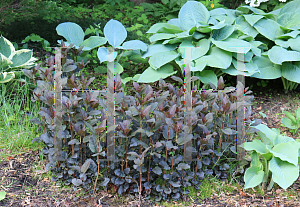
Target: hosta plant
{"points": [[291, 121], [274, 157], [12, 61]]}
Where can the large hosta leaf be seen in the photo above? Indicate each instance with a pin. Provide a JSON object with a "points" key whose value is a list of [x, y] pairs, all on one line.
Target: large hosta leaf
{"points": [[278, 55], [192, 13], [102, 54], [286, 152], [270, 134], [4, 61], [21, 57], [242, 25], [283, 172], [134, 45], [253, 177], [223, 33], [291, 71], [268, 70], [72, 32], [268, 28], [252, 19], [157, 48], [161, 36], [6, 47], [156, 27], [150, 75], [201, 48], [231, 45], [92, 42], [217, 58], [289, 15], [295, 43], [159, 59], [115, 32], [256, 145], [208, 76], [6, 77]]}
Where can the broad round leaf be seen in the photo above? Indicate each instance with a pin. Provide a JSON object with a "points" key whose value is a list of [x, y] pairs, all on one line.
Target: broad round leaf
{"points": [[92, 42], [223, 33], [231, 45], [158, 26], [253, 177], [289, 15], [102, 54], [72, 32], [159, 59], [291, 71], [6, 47], [192, 13], [134, 45], [252, 19], [286, 152], [157, 48], [161, 36], [150, 75], [256, 145], [217, 58], [208, 76], [268, 70], [283, 173], [20, 57], [268, 28], [278, 55], [115, 32], [294, 43]]}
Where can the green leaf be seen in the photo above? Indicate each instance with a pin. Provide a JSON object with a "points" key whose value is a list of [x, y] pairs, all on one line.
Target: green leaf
{"points": [[286, 152], [288, 123], [196, 52], [134, 45], [4, 61], [161, 36], [208, 76], [292, 34], [158, 26], [242, 25], [268, 70], [290, 116], [157, 48], [191, 14], [282, 139], [283, 173], [231, 44], [223, 33], [72, 32], [150, 75], [271, 135], [294, 43], [159, 59], [6, 77], [268, 28], [115, 32], [256, 145], [291, 71], [118, 68], [217, 58], [21, 57], [281, 43], [93, 42], [252, 19], [289, 15], [278, 55], [253, 177], [102, 54], [2, 195], [6, 47]]}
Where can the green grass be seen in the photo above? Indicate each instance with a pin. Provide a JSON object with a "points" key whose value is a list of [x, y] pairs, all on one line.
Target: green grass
{"points": [[16, 131]]}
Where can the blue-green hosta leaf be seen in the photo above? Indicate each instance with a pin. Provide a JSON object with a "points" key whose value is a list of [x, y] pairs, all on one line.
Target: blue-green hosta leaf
{"points": [[115, 32], [278, 55], [295, 43], [192, 13], [246, 9], [201, 48], [247, 57], [282, 43], [6, 47], [20, 57], [271, 135], [231, 44], [72, 32], [161, 36], [118, 68], [175, 22], [288, 123], [156, 27], [227, 19], [223, 33], [253, 177], [212, 21], [220, 25], [102, 54], [134, 45], [268, 28], [150, 75], [291, 71], [283, 173], [92, 42], [250, 68], [256, 145], [268, 70], [159, 59], [208, 76], [289, 15], [255, 49], [282, 139], [218, 11], [252, 19], [289, 35], [157, 48], [6, 77], [4, 61], [217, 58]]}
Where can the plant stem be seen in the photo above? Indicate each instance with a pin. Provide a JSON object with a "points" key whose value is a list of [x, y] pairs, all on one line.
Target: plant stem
{"points": [[220, 142]]}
